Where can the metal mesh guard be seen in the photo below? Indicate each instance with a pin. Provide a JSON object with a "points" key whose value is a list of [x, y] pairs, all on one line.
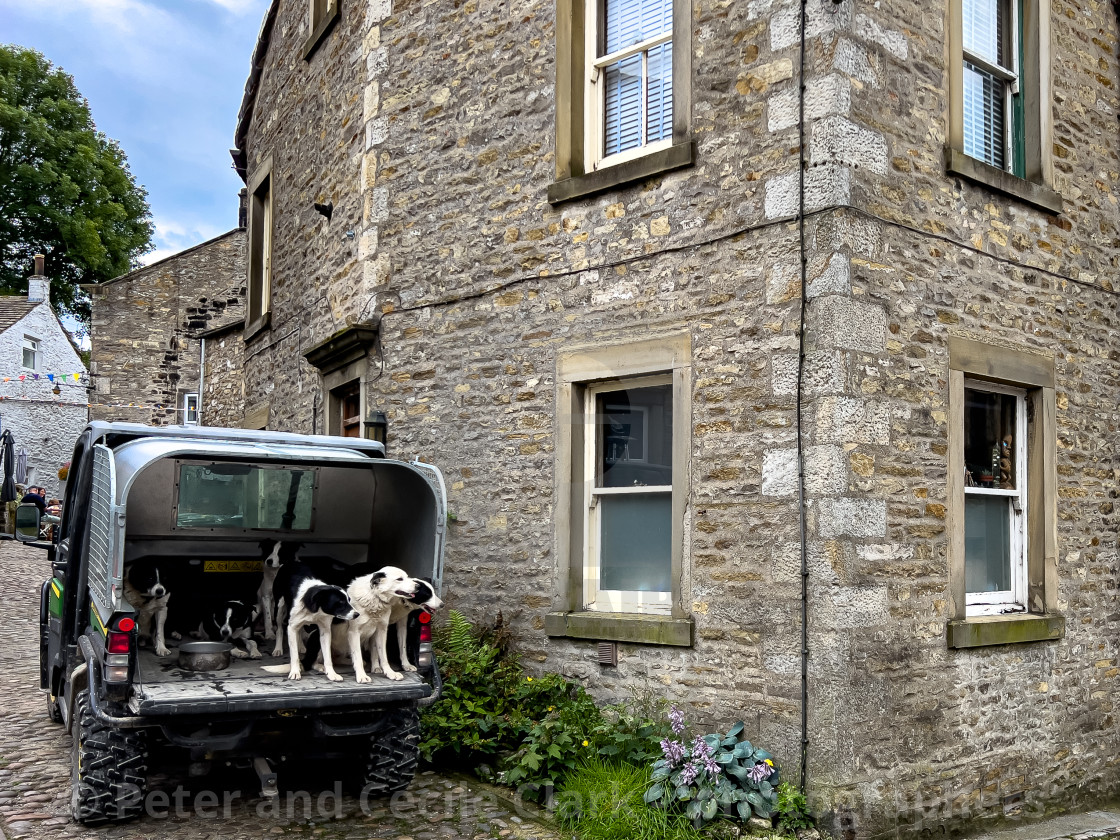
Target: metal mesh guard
{"points": [[100, 514]]}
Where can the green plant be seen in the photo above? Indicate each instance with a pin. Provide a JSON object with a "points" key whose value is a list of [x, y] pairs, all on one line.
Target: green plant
{"points": [[715, 775], [555, 744], [792, 809], [602, 800]]}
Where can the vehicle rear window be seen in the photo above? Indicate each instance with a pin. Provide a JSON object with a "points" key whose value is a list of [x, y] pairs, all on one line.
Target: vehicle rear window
{"points": [[245, 496]]}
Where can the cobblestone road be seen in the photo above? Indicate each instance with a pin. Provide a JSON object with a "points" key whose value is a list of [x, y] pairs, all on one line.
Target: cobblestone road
{"points": [[35, 770]]}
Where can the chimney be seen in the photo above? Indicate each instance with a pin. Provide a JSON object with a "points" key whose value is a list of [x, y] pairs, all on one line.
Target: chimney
{"points": [[243, 208], [38, 286]]}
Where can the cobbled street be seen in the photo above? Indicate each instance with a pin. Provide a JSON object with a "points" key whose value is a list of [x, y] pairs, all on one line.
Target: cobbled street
{"points": [[35, 770]]}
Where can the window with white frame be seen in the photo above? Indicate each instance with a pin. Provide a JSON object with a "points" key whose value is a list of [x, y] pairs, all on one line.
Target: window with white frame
{"points": [[190, 408], [31, 353], [995, 503], [992, 98], [629, 495], [630, 84]]}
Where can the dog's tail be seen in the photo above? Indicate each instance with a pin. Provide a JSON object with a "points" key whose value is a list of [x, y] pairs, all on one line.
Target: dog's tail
{"points": [[276, 669]]}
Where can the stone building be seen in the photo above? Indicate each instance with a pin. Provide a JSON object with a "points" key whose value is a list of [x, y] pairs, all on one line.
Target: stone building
{"points": [[723, 302], [43, 383], [148, 327]]}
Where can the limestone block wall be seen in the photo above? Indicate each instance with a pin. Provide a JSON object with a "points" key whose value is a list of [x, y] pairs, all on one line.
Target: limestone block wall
{"points": [[142, 349], [435, 143], [44, 425], [223, 380]]}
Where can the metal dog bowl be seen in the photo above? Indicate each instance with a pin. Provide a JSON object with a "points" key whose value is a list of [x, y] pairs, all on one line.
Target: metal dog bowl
{"points": [[204, 656]]}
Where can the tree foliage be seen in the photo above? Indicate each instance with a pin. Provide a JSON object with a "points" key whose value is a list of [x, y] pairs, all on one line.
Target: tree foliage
{"points": [[65, 188]]}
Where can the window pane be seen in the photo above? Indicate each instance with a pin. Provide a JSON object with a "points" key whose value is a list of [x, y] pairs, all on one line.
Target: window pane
{"points": [[623, 111], [635, 437], [989, 440], [635, 540], [630, 22], [659, 98], [240, 496], [29, 358], [983, 116], [982, 32], [987, 543]]}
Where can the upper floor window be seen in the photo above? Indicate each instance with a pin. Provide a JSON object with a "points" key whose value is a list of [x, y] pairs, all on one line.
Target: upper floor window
{"points": [[992, 96], [999, 97], [323, 14], [623, 98], [31, 353], [259, 302], [631, 82]]}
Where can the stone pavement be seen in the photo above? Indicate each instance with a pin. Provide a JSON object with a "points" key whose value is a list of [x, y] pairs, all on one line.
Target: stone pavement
{"points": [[35, 770]]}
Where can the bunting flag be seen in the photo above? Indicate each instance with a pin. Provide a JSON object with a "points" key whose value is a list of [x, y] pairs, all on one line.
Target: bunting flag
{"points": [[145, 406], [77, 377]]}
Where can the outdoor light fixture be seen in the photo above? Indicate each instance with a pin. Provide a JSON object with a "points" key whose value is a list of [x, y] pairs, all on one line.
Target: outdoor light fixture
{"points": [[377, 426], [56, 390]]}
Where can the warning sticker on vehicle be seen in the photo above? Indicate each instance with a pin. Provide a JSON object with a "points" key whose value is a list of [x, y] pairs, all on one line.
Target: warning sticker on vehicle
{"points": [[232, 566]]}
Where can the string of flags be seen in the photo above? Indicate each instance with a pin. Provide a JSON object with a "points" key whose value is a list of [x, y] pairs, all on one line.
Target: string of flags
{"points": [[156, 406], [50, 377]]}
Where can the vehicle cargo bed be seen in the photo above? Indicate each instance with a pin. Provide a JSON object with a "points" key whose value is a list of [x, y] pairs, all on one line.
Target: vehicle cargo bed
{"points": [[161, 687]]}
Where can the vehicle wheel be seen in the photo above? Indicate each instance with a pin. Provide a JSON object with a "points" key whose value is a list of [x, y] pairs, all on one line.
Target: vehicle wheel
{"points": [[108, 773], [393, 753], [53, 711]]}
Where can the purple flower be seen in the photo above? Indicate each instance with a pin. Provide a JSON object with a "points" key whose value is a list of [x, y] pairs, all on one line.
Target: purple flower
{"points": [[760, 771], [676, 720], [702, 755], [673, 751], [689, 773]]}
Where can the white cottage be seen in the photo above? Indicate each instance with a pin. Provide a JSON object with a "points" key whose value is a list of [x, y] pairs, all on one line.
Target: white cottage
{"points": [[42, 402]]}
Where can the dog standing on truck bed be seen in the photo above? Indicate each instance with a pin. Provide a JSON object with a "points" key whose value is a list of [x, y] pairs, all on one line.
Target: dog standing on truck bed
{"points": [[274, 554], [424, 598], [146, 592], [374, 596], [307, 600]]}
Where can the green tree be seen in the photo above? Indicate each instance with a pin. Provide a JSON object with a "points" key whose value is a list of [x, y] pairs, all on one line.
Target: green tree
{"points": [[65, 188]]}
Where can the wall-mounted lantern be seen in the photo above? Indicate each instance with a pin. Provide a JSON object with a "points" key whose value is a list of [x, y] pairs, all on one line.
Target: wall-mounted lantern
{"points": [[377, 426]]}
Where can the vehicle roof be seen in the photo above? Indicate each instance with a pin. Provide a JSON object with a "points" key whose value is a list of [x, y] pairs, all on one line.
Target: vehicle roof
{"points": [[116, 434]]}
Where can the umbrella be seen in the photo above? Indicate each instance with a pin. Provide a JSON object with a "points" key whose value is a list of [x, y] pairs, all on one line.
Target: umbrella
{"points": [[7, 447], [21, 467]]}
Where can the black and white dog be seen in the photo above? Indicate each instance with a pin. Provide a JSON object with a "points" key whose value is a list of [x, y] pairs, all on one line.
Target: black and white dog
{"points": [[145, 589], [306, 601], [232, 621], [274, 554], [424, 598], [373, 596]]}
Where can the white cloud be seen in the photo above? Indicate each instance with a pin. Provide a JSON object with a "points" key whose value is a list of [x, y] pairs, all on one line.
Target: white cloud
{"points": [[175, 235]]}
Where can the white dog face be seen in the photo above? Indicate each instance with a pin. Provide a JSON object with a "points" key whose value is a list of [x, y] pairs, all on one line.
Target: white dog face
{"points": [[393, 581]]}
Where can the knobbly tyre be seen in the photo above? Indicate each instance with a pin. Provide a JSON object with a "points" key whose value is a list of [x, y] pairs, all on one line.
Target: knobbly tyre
{"points": [[199, 502]]}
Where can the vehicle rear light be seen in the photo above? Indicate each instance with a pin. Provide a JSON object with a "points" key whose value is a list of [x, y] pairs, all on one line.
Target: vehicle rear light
{"points": [[126, 625], [116, 674], [118, 642], [425, 627]]}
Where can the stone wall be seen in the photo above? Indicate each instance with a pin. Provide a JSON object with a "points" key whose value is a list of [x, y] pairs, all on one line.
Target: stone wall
{"points": [[143, 349], [223, 381], [439, 160], [45, 425]]}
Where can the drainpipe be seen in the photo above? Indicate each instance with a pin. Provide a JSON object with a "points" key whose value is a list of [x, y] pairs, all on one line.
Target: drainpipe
{"points": [[801, 165], [201, 379]]}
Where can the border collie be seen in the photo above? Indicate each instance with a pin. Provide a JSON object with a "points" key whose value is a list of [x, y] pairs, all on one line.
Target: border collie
{"points": [[374, 596], [145, 590], [232, 621], [424, 598], [274, 553], [307, 600]]}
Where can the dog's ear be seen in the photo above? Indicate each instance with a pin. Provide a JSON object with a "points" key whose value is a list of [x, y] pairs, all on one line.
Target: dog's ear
{"points": [[377, 577]]}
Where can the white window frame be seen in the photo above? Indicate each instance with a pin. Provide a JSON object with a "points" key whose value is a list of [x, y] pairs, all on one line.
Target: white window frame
{"points": [[35, 346], [595, 90], [190, 406], [1009, 75], [614, 600], [1015, 599]]}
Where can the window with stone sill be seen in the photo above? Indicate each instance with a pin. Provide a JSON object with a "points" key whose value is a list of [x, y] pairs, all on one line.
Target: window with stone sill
{"points": [[623, 99], [999, 123], [622, 473], [1002, 496]]}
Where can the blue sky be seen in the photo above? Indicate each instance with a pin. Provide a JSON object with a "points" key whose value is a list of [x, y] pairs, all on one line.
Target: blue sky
{"points": [[164, 78]]}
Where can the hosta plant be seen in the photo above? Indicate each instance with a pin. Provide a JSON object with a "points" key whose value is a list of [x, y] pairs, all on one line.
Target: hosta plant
{"points": [[713, 775]]}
